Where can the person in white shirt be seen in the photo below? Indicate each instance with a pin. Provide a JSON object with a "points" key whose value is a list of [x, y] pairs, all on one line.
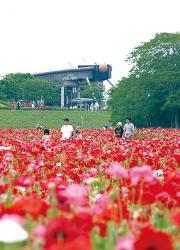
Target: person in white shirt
{"points": [[67, 130], [128, 129]]}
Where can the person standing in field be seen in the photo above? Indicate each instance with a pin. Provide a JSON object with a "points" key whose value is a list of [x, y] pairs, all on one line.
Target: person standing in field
{"points": [[18, 106], [67, 130], [46, 137], [128, 129], [119, 130]]}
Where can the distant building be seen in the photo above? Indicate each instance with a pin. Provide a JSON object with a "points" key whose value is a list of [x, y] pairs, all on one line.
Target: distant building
{"points": [[69, 79]]}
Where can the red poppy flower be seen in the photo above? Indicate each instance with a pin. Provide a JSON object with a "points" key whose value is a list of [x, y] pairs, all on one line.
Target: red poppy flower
{"points": [[177, 157], [153, 240], [165, 198], [78, 243], [58, 229], [176, 218], [27, 205]]}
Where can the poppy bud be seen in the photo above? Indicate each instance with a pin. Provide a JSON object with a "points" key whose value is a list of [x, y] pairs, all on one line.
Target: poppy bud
{"points": [[51, 186]]}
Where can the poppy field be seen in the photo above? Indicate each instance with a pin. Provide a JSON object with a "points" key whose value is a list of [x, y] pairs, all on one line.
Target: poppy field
{"points": [[93, 192]]}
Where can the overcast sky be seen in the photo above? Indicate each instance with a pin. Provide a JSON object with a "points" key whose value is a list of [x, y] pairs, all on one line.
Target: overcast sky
{"points": [[44, 35]]}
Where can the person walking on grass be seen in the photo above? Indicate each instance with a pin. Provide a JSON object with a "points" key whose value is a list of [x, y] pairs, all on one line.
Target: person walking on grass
{"points": [[119, 130], [128, 129], [67, 130]]}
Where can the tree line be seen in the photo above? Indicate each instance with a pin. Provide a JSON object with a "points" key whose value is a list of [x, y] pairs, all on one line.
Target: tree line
{"points": [[151, 92], [19, 86]]}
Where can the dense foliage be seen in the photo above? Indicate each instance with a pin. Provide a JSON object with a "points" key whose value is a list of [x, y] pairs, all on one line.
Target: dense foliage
{"points": [[14, 87], [151, 93], [92, 90], [94, 192]]}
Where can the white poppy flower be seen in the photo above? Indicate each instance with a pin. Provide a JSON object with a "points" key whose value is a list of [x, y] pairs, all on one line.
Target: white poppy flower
{"points": [[11, 231]]}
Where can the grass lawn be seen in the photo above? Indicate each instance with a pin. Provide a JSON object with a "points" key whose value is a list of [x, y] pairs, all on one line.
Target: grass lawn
{"points": [[52, 118]]}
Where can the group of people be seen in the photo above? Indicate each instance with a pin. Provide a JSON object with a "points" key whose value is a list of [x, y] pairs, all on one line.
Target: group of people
{"points": [[68, 131], [127, 131], [16, 105]]}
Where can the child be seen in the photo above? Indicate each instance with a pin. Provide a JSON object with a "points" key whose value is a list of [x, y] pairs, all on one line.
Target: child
{"points": [[128, 129], [67, 130], [46, 137], [78, 134], [119, 130]]}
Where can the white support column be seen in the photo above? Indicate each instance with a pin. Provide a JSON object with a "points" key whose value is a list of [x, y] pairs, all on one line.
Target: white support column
{"points": [[62, 96]]}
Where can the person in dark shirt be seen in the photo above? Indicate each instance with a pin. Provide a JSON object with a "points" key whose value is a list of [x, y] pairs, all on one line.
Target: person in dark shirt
{"points": [[18, 106], [119, 130]]}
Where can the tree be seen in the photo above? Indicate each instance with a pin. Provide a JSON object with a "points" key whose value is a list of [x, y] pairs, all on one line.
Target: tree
{"points": [[28, 88], [92, 90], [153, 83], [3, 96], [34, 88], [160, 59], [13, 85]]}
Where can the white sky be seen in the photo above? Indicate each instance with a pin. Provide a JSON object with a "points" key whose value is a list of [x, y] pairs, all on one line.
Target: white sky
{"points": [[44, 35]]}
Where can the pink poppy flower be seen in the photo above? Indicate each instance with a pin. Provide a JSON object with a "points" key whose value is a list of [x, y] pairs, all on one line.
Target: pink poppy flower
{"points": [[116, 170], [75, 194], [125, 243], [144, 173]]}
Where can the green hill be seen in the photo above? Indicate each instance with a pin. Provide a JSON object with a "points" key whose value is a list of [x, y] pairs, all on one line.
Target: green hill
{"points": [[52, 118]]}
